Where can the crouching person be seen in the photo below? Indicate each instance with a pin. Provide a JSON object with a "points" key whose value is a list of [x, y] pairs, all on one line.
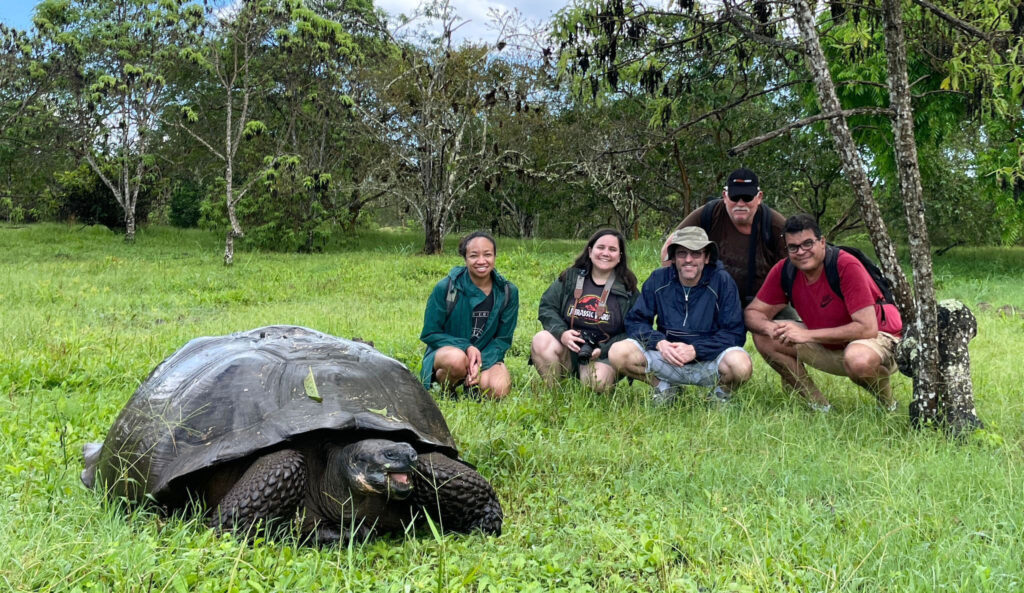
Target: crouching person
{"points": [[853, 334], [695, 307]]}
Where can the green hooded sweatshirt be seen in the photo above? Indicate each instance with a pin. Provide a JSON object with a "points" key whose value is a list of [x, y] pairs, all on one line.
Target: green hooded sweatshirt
{"points": [[441, 329]]}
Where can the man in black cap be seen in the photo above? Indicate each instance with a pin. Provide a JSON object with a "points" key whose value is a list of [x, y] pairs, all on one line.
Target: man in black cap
{"points": [[748, 234]]}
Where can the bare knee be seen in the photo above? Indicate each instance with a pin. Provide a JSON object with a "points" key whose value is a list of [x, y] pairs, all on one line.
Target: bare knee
{"points": [[546, 350], [735, 368], [450, 364], [598, 376], [862, 363], [626, 358], [496, 382]]}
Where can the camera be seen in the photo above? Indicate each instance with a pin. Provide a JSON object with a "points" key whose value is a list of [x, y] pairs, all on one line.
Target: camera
{"points": [[591, 340]]}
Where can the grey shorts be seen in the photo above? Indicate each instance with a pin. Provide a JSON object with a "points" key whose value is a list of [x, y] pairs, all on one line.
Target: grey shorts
{"points": [[704, 373]]}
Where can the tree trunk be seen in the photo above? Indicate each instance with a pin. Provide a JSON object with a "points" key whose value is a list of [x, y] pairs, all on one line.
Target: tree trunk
{"points": [[129, 225], [930, 390], [433, 243], [921, 352], [853, 167], [229, 248], [236, 228], [956, 327]]}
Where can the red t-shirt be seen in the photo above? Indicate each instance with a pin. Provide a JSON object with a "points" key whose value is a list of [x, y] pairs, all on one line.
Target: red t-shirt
{"points": [[819, 307]]}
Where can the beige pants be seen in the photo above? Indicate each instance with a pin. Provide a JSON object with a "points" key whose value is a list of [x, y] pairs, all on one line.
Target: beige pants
{"points": [[831, 361]]}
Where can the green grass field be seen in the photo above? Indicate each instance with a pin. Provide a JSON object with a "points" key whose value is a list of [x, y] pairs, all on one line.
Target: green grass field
{"points": [[601, 493]]}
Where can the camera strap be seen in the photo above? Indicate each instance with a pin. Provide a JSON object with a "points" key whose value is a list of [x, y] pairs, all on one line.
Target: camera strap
{"points": [[602, 303]]}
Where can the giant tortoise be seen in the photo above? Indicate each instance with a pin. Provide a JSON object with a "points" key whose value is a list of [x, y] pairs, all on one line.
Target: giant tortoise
{"points": [[287, 425]]}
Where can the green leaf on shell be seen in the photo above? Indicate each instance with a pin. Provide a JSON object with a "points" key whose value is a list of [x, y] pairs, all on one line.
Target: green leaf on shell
{"points": [[310, 384], [382, 411]]}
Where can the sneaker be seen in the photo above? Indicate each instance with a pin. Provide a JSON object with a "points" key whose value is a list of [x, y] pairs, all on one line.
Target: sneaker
{"points": [[823, 408], [663, 394], [891, 406], [719, 396]]}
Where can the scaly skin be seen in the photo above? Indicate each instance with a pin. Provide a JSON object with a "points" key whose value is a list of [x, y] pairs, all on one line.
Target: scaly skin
{"points": [[271, 489], [455, 495]]}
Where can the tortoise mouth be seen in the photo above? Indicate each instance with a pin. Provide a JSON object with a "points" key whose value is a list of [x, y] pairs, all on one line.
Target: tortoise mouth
{"points": [[399, 484]]}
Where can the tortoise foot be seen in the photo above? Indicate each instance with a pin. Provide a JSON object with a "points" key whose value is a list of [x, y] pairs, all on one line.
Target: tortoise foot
{"points": [[456, 496], [269, 491]]}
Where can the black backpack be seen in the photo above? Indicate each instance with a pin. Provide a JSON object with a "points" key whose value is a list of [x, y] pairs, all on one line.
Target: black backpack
{"points": [[832, 274], [762, 229]]}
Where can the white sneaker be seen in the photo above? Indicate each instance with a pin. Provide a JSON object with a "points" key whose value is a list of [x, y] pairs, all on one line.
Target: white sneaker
{"points": [[823, 408], [663, 394], [719, 396]]}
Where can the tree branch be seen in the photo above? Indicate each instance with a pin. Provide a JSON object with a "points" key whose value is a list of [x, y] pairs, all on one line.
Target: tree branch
{"points": [[739, 148], [957, 23]]}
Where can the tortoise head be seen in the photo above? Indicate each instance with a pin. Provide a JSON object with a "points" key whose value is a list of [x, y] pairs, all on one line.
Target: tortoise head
{"points": [[379, 466]]}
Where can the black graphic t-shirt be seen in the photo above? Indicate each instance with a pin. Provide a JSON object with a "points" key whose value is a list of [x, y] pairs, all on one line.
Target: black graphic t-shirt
{"points": [[585, 311], [480, 315]]}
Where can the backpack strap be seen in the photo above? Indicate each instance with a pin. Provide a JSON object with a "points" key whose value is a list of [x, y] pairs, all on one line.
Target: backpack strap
{"points": [[788, 276], [765, 213], [832, 270], [707, 213], [452, 295], [755, 238], [831, 273]]}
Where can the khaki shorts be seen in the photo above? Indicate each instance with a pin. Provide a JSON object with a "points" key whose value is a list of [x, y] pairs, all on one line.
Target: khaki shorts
{"points": [[831, 361]]}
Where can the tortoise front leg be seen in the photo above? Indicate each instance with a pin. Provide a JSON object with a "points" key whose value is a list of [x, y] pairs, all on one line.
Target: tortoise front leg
{"points": [[270, 490], [456, 495]]}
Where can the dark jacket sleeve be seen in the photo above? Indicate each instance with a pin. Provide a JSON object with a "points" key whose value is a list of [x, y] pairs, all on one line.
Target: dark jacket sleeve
{"points": [[494, 351], [434, 318], [729, 330], [549, 312], [640, 320]]}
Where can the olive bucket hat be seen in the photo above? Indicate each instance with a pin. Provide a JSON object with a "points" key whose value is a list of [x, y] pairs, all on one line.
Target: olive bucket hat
{"points": [[693, 238]]}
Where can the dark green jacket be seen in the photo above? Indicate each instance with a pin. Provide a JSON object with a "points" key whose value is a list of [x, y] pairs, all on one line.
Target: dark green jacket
{"points": [[556, 299], [441, 329]]}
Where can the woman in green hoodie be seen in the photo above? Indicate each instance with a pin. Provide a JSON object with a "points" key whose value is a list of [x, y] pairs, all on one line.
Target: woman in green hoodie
{"points": [[469, 321], [583, 313]]}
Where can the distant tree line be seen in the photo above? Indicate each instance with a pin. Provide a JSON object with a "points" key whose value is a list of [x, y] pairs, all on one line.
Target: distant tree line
{"points": [[284, 123]]}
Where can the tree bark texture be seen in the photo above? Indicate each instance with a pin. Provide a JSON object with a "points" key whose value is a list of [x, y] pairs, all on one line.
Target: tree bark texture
{"points": [[949, 389], [956, 327], [853, 166], [434, 232], [926, 389]]}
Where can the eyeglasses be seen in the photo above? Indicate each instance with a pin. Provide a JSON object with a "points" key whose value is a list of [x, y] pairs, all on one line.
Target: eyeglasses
{"points": [[797, 247], [745, 199], [685, 253]]}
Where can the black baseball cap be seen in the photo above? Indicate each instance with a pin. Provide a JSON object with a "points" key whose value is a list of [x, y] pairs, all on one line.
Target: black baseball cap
{"points": [[742, 182]]}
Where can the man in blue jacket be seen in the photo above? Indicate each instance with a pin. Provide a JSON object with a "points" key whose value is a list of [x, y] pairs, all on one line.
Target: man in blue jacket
{"points": [[700, 332]]}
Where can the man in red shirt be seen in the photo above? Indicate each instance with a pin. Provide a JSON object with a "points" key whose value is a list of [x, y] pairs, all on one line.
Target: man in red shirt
{"points": [[852, 335]]}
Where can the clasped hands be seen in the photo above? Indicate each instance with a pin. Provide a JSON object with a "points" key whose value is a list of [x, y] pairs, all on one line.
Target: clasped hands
{"points": [[676, 353], [473, 361]]}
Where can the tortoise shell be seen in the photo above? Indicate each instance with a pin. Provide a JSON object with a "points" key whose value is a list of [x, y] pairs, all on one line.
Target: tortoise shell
{"points": [[223, 398]]}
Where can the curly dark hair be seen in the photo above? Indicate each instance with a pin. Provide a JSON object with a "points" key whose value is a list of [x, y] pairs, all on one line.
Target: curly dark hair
{"points": [[622, 270]]}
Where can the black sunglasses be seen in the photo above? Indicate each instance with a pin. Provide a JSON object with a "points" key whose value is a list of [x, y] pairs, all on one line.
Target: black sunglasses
{"points": [[746, 199]]}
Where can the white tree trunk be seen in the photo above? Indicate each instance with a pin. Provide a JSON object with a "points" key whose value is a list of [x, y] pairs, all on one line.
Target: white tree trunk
{"points": [[930, 388]]}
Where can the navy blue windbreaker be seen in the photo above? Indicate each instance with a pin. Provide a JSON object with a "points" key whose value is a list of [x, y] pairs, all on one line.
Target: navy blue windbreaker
{"points": [[710, 319]]}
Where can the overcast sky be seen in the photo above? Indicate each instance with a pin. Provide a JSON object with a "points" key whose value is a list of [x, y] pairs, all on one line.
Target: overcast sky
{"points": [[18, 13]]}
